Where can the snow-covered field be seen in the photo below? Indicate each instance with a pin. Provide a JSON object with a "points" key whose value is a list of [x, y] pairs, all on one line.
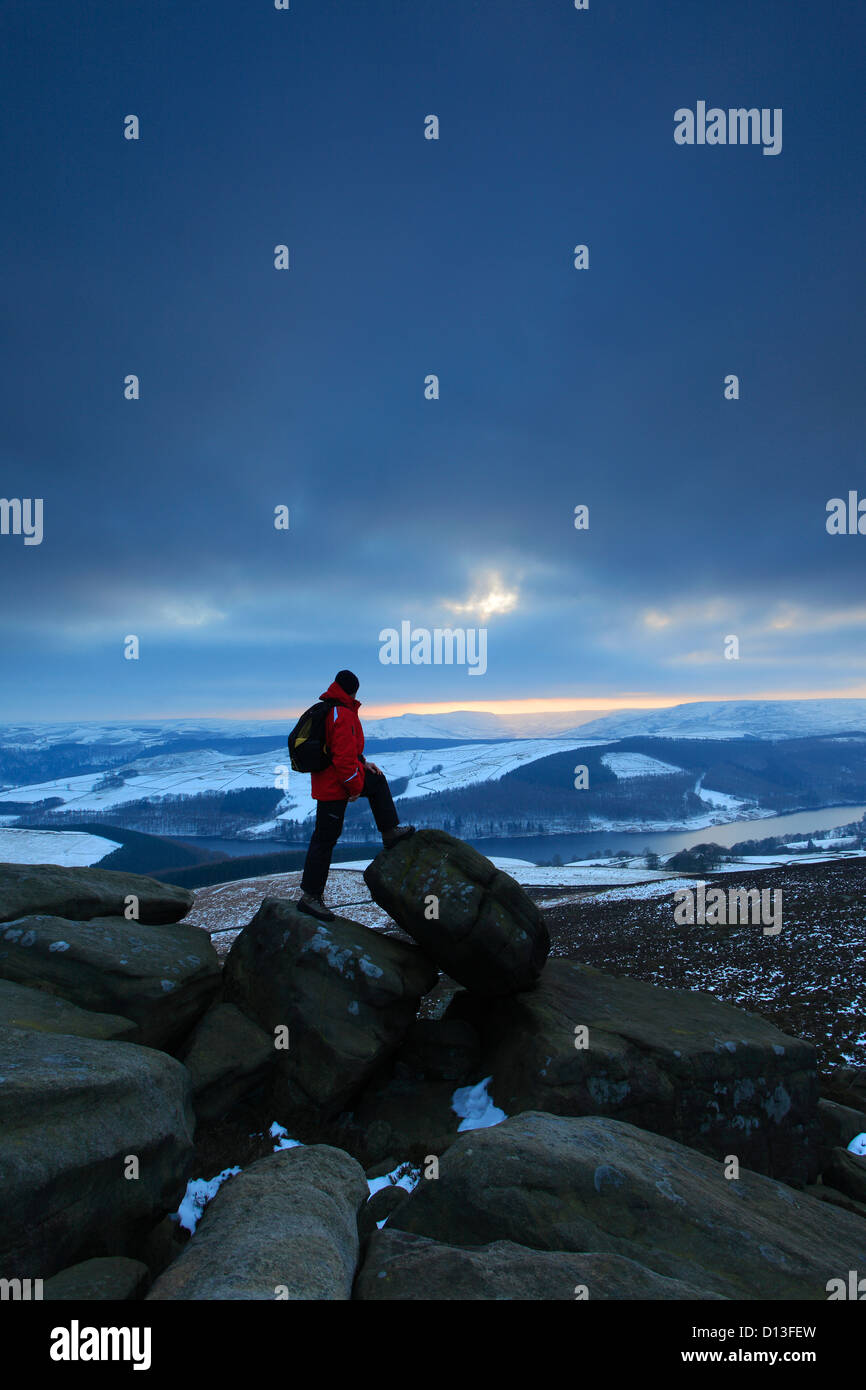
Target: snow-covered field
{"points": [[566, 876], [206, 770], [624, 765], [72, 848]]}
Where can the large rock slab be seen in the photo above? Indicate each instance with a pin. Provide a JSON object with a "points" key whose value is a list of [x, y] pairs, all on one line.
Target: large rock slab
{"points": [[161, 977], [847, 1173], [345, 993], [227, 1057], [673, 1061], [824, 1193], [73, 1111], [401, 1266], [30, 889], [284, 1228], [599, 1185], [111, 1279], [21, 1007], [488, 934]]}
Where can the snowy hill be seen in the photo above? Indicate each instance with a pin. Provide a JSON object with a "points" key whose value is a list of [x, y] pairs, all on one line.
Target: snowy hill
{"points": [[456, 724], [766, 719], [204, 770]]}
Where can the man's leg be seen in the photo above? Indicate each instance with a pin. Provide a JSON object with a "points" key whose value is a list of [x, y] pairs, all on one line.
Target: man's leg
{"points": [[378, 793], [329, 824]]}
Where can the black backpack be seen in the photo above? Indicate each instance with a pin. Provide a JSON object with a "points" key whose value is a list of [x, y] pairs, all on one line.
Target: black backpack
{"points": [[307, 742]]}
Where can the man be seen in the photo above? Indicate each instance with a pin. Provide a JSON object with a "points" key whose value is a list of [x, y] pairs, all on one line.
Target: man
{"points": [[347, 777]]}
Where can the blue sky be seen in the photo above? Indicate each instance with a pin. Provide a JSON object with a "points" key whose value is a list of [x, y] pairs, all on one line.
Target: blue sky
{"points": [[408, 257]]}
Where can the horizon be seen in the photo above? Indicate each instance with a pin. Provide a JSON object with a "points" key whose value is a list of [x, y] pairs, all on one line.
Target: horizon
{"points": [[589, 710]]}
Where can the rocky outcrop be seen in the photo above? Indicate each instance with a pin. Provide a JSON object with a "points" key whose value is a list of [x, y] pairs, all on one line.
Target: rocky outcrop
{"points": [[403, 1266], [111, 1279], [399, 1115], [30, 889], [346, 995], [379, 1207], [672, 1061], [839, 1125], [21, 1007], [598, 1185], [227, 1057], [847, 1086], [95, 1147], [473, 920], [285, 1228], [161, 977], [613, 1178], [846, 1172]]}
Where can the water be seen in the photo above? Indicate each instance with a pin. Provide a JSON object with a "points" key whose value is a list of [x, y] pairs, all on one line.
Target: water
{"points": [[238, 849], [797, 825]]}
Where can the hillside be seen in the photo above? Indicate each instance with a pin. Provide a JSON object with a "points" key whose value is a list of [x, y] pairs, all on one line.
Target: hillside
{"points": [[762, 719]]}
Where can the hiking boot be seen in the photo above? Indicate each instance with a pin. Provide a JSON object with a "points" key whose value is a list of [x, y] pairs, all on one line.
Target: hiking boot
{"points": [[390, 837], [315, 907]]}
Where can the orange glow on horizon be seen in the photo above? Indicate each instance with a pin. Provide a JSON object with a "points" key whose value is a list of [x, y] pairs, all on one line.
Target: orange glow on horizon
{"points": [[542, 705]]}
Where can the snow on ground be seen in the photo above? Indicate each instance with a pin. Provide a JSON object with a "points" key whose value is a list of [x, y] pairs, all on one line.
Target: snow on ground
{"points": [[667, 887], [829, 842], [405, 1175], [70, 848], [176, 774], [223, 909], [564, 876], [200, 1191], [778, 861], [625, 765], [735, 805], [476, 1107], [281, 1135]]}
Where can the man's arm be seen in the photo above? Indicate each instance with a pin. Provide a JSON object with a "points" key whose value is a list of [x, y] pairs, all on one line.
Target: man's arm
{"points": [[344, 753]]}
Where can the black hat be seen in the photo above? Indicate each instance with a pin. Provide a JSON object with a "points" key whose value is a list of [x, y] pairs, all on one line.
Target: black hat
{"points": [[348, 681]]}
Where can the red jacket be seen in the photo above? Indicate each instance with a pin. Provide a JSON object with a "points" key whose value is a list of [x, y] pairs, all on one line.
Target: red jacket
{"points": [[344, 738]]}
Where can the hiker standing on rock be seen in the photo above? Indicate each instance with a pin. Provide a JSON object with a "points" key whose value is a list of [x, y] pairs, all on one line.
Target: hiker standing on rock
{"points": [[329, 744]]}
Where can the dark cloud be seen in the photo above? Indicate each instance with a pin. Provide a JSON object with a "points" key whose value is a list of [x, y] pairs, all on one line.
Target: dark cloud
{"points": [[411, 257]]}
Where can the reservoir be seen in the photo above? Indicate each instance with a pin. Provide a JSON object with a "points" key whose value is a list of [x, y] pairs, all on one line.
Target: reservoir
{"points": [[798, 825]]}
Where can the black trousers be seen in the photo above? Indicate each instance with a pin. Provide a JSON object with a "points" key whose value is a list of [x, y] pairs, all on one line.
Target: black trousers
{"points": [[329, 826]]}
